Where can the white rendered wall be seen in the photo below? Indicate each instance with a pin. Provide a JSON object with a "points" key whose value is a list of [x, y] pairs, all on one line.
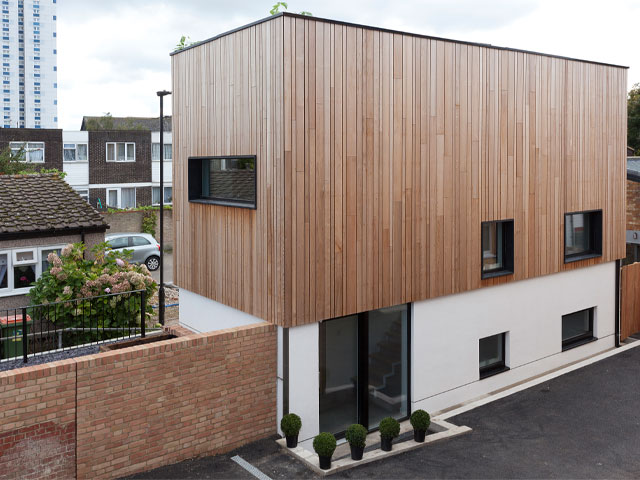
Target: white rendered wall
{"points": [[202, 314], [304, 398], [445, 333], [77, 171]]}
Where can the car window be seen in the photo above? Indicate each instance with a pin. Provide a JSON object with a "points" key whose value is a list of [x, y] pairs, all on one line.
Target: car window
{"points": [[119, 242], [139, 241]]}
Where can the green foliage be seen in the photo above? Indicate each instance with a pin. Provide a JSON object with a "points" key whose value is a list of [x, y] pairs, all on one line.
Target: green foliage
{"points": [[389, 428], [149, 222], [14, 164], [324, 444], [290, 425], [106, 123], [145, 208], [307, 14], [356, 435], [183, 43], [276, 8], [72, 277], [633, 118], [420, 420]]}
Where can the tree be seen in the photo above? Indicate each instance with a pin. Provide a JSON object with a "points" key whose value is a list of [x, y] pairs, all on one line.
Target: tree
{"points": [[12, 163], [633, 118]]}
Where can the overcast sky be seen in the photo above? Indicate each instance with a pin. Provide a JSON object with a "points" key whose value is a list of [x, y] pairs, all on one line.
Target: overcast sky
{"points": [[114, 55]]}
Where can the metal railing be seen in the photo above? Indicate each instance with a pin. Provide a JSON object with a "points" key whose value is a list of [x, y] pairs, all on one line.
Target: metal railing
{"points": [[71, 324]]}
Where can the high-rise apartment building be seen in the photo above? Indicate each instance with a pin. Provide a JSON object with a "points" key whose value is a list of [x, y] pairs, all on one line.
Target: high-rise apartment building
{"points": [[29, 64]]}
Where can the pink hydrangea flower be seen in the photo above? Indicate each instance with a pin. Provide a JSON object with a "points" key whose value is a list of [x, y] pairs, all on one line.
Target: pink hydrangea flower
{"points": [[119, 262], [107, 290]]}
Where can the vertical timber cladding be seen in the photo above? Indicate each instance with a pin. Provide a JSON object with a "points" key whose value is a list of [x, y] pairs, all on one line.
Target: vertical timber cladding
{"points": [[227, 100], [379, 154]]}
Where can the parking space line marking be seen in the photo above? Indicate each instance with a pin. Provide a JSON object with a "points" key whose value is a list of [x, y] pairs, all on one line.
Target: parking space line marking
{"points": [[250, 468]]}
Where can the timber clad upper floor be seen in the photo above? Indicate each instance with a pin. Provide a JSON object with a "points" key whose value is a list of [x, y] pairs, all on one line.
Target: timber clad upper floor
{"points": [[378, 156]]}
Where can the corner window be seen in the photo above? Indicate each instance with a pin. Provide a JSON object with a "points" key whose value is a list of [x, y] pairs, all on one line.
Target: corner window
{"points": [[582, 235], [492, 355], [33, 151], [121, 152], [497, 248], [577, 329], [227, 181]]}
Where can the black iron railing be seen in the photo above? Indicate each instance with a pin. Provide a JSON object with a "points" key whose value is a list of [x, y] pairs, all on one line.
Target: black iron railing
{"points": [[71, 324]]}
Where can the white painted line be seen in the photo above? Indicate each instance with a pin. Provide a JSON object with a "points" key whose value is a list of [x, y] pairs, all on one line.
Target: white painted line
{"points": [[534, 382], [250, 468]]}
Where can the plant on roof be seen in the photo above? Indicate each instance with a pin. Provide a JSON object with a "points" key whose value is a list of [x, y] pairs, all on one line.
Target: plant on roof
{"points": [[70, 276], [184, 42], [284, 5]]}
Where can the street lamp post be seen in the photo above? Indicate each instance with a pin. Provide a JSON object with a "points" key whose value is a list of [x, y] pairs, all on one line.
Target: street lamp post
{"points": [[161, 301]]}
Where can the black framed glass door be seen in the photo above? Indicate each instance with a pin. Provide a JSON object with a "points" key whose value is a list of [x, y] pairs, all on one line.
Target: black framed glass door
{"points": [[364, 368]]}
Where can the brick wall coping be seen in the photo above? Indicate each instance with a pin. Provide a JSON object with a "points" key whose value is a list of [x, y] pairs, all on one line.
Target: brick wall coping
{"points": [[44, 370]]}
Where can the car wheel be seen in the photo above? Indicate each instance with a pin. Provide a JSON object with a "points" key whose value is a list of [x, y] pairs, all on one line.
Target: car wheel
{"points": [[153, 263]]}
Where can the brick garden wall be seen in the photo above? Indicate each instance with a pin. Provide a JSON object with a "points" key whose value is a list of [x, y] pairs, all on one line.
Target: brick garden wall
{"points": [[131, 221], [37, 422], [121, 412]]}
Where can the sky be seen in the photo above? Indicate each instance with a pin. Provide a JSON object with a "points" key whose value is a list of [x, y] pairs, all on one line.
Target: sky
{"points": [[113, 56]]}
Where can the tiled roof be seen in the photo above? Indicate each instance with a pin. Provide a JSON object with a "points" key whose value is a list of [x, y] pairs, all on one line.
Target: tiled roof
{"points": [[633, 168], [134, 123], [43, 202]]}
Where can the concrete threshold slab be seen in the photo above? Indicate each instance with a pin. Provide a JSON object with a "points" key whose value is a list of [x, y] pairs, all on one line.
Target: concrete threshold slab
{"points": [[341, 460]]}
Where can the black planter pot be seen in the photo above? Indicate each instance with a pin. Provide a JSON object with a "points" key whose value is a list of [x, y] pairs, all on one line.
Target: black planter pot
{"points": [[418, 435], [356, 452], [325, 462], [292, 441], [385, 443]]}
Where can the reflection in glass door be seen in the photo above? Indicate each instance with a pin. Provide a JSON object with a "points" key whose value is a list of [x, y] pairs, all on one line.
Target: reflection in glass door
{"points": [[338, 374], [387, 364], [364, 369]]}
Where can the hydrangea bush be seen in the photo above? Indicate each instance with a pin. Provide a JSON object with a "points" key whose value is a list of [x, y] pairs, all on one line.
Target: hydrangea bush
{"points": [[72, 277]]}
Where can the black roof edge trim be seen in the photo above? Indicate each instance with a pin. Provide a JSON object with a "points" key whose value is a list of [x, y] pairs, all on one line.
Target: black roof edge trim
{"points": [[388, 30], [51, 233]]}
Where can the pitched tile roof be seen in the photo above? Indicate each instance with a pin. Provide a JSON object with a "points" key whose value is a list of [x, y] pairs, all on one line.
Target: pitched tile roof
{"points": [[41, 203], [633, 169], [133, 123]]}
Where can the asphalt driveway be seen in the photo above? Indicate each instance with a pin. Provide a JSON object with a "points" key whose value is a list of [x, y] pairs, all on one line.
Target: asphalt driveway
{"points": [[585, 424]]}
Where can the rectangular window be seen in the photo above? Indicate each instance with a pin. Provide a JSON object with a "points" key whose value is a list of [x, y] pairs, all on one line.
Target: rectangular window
{"points": [[497, 248], [155, 152], [33, 151], [492, 355], [155, 195], [84, 193], [577, 328], [227, 181], [582, 235], [128, 198], [24, 268], [121, 152], [112, 198], [45, 257], [75, 152], [4, 274], [167, 151]]}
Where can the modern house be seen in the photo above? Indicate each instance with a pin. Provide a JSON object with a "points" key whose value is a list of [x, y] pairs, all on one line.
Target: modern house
{"points": [[426, 220], [114, 168], [633, 209], [39, 214]]}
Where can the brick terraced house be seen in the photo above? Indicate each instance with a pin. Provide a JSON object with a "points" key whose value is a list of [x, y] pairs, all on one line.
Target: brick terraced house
{"points": [[431, 220], [115, 168], [633, 209], [39, 214]]}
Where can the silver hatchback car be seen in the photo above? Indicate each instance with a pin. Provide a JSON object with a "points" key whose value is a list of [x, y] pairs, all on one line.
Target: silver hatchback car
{"points": [[145, 248]]}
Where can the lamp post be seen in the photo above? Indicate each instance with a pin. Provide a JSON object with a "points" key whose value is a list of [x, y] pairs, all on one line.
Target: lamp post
{"points": [[161, 301]]}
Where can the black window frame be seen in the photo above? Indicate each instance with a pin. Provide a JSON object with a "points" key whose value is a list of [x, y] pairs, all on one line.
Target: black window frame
{"points": [[497, 367], [195, 182], [507, 250], [595, 236], [583, 339]]}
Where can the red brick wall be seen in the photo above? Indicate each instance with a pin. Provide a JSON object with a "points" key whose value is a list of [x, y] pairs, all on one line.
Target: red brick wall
{"points": [[37, 422], [633, 205], [141, 407]]}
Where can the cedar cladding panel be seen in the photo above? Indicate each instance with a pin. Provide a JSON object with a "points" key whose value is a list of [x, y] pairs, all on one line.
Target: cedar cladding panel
{"points": [[395, 149], [227, 100]]}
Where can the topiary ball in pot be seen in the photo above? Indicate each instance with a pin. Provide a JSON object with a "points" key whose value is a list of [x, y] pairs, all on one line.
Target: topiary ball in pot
{"points": [[389, 429], [420, 421], [290, 426], [324, 445], [356, 435]]}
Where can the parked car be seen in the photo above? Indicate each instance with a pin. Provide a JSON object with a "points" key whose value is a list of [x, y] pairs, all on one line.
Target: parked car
{"points": [[145, 248]]}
